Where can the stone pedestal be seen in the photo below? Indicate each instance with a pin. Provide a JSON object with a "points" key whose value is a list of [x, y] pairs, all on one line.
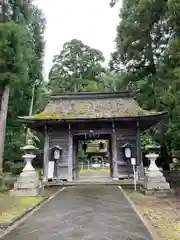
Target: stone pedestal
{"points": [[154, 182], [28, 183]]}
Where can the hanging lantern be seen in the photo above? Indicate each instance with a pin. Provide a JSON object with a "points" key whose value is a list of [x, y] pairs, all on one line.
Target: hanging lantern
{"points": [[127, 149]]}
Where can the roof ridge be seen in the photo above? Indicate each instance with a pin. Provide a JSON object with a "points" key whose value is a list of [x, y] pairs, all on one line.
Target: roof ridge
{"points": [[94, 95]]}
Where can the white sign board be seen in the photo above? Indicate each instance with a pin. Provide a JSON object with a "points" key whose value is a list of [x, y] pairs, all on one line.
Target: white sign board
{"points": [[133, 161], [51, 170]]}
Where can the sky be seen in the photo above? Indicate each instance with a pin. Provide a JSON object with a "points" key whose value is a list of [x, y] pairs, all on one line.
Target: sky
{"points": [[91, 21]]}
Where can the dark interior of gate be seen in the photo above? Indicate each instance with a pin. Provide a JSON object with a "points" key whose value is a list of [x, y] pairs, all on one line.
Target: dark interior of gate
{"points": [[92, 156]]}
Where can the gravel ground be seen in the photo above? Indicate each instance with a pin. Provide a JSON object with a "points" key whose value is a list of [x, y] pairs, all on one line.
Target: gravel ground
{"points": [[83, 213]]}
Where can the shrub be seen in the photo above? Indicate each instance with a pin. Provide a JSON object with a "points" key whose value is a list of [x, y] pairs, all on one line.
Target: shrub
{"points": [[9, 180], [6, 181], [1, 180], [82, 156], [16, 168], [40, 172], [7, 166]]}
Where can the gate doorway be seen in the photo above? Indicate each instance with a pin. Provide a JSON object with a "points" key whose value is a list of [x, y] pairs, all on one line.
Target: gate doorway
{"points": [[92, 157]]}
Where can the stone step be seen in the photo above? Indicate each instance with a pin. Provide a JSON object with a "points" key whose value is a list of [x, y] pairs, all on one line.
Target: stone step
{"points": [[25, 185]]}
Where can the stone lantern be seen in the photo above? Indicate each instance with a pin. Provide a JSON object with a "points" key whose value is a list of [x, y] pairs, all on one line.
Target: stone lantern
{"points": [[28, 183], [153, 150], [155, 183]]}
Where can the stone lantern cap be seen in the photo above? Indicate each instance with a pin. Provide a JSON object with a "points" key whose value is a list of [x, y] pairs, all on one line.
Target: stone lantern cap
{"points": [[152, 148], [29, 146]]}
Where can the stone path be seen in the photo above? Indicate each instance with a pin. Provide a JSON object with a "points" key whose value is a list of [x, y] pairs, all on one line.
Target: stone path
{"points": [[83, 213]]}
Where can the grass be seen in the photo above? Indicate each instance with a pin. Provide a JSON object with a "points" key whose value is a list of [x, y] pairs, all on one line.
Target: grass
{"points": [[160, 213], [94, 170], [12, 207], [95, 150]]}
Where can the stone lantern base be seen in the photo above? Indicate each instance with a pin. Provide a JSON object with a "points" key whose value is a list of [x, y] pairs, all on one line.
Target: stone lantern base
{"points": [[157, 192], [154, 181], [28, 184], [156, 185]]}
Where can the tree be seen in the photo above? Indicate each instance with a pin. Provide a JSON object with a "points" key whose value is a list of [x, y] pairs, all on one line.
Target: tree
{"points": [[147, 55], [142, 37], [75, 64], [21, 53], [111, 81], [13, 53]]}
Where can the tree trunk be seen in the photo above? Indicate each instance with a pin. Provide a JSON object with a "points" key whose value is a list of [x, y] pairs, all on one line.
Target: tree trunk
{"points": [[3, 117]]}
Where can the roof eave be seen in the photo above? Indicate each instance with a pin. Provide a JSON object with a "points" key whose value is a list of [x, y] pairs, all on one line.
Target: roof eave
{"points": [[125, 118]]}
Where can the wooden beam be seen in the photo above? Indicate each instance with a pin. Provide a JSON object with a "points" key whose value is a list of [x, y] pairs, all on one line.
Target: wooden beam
{"points": [[139, 154], [96, 132], [138, 145]]}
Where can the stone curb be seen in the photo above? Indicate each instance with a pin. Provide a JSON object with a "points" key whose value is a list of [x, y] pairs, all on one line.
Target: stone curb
{"points": [[8, 227], [149, 228]]}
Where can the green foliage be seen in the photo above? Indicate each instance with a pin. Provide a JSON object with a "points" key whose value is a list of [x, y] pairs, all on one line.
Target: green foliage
{"points": [[95, 150], [76, 67], [14, 42], [82, 156], [146, 139], [110, 81], [2, 183], [90, 86], [6, 181], [41, 173], [16, 168]]}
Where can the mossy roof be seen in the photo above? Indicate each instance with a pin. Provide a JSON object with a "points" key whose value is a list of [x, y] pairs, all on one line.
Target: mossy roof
{"points": [[81, 106]]}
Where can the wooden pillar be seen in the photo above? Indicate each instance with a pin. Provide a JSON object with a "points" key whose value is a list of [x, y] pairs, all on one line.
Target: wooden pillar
{"points": [[70, 155], [46, 154], [114, 154], [75, 151], [139, 154], [76, 159]]}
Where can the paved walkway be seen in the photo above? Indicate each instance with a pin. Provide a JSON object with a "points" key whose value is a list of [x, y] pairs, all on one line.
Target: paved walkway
{"points": [[83, 213]]}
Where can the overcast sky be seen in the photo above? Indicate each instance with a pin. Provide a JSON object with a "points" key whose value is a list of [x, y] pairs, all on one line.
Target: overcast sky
{"points": [[91, 21]]}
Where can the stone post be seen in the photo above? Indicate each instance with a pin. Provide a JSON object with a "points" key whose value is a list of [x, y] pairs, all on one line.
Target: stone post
{"points": [[155, 183], [28, 183]]}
